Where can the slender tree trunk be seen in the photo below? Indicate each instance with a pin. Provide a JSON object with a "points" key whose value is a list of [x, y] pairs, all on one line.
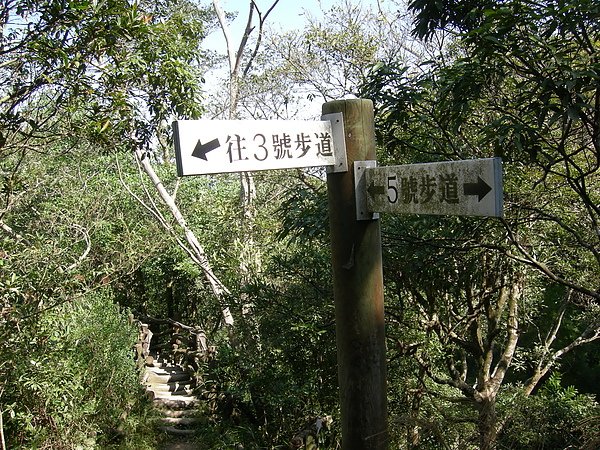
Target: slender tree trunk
{"points": [[2, 442], [171, 301], [247, 184], [194, 249], [414, 432], [249, 254]]}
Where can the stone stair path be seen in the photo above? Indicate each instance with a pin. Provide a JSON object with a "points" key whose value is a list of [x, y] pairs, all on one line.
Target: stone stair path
{"points": [[171, 389]]}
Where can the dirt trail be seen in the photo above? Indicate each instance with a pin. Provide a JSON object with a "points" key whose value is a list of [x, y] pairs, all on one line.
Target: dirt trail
{"points": [[180, 445]]}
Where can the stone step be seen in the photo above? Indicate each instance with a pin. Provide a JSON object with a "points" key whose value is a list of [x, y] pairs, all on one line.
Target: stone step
{"points": [[180, 412], [166, 367], [171, 386], [176, 387], [178, 431], [150, 377], [177, 395], [166, 401], [160, 364], [181, 421], [157, 365], [161, 375]]}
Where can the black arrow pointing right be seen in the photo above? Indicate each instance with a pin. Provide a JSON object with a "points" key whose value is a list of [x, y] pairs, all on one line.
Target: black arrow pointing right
{"points": [[201, 149], [480, 189]]}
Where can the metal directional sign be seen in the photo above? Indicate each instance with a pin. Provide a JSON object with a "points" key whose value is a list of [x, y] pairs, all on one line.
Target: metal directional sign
{"points": [[219, 146], [458, 188]]}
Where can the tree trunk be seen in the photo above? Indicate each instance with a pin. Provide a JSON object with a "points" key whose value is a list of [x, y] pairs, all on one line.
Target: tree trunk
{"points": [[249, 252], [487, 423], [414, 430], [170, 301], [2, 442]]}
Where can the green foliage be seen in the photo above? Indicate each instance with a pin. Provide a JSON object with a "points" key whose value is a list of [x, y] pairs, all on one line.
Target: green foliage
{"points": [[107, 70], [67, 369], [302, 213], [548, 419], [511, 97], [79, 80], [277, 371], [69, 377], [167, 283], [518, 80]]}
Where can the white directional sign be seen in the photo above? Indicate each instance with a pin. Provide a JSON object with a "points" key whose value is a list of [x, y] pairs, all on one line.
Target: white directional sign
{"points": [[458, 188], [219, 146]]}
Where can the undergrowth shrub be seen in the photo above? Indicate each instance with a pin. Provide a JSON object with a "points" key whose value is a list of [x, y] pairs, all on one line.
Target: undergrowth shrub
{"points": [[70, 379], [549, 419]]}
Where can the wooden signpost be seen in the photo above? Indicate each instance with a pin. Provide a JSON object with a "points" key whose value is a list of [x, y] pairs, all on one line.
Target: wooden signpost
{"points": [[346, 137], [358, 291]]}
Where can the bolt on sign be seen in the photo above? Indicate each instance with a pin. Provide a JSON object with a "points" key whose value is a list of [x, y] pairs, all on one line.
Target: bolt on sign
{"points": [[459, 188], [220, 146]]}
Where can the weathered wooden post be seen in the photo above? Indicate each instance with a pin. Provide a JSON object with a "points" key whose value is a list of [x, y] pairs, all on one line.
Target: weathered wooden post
{"points": [[358, 291]]}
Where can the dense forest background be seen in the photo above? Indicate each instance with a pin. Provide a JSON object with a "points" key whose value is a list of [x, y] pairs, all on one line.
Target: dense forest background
{"points": [[492, 324]]}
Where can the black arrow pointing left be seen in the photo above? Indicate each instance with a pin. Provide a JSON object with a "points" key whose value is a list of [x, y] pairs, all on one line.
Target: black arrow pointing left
{"points": [[201, 149], [374, 190], [480, 189]]}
